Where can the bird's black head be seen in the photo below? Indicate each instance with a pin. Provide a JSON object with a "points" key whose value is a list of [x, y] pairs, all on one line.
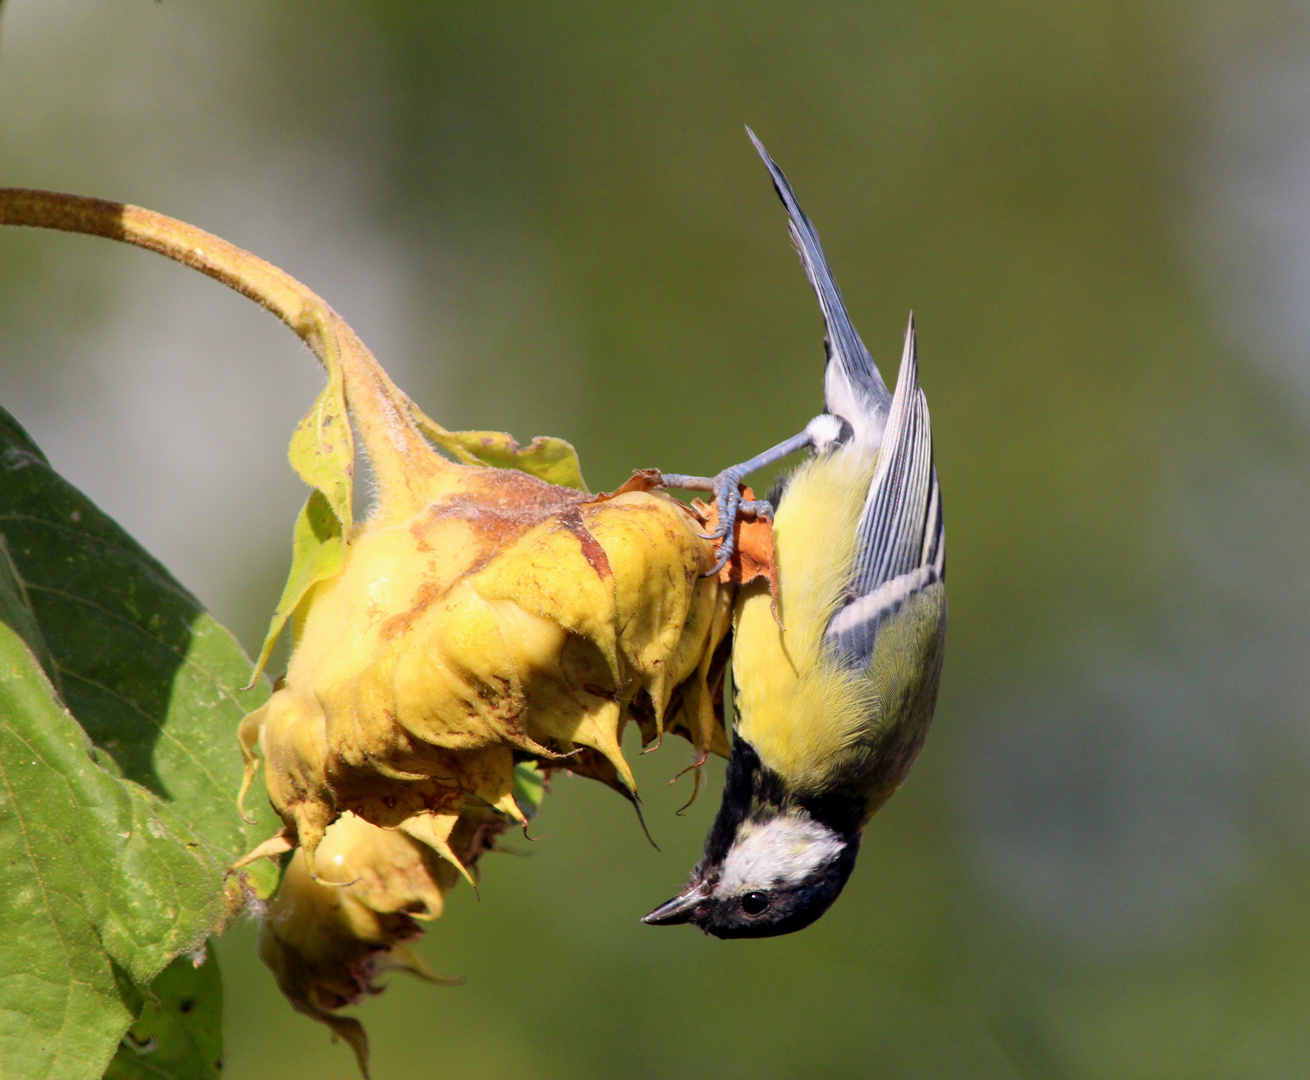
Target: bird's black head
{"points": [[779, 874]]}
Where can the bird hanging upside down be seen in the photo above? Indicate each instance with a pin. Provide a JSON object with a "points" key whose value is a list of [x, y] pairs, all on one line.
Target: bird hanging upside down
{"points": [[834, 697]]}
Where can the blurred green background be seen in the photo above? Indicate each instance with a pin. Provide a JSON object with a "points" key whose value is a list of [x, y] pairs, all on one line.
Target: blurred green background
{"points": [[546, 218]]}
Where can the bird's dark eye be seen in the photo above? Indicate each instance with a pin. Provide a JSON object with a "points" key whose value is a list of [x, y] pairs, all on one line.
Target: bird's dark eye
{"points": [[755, 903]]}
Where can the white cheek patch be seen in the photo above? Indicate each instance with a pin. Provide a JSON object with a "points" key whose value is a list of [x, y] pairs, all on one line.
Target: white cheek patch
{"points": [[780, 851]]}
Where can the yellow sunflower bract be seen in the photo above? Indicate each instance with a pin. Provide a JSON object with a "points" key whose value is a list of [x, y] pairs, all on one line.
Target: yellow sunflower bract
{"points": [[507, 619]]}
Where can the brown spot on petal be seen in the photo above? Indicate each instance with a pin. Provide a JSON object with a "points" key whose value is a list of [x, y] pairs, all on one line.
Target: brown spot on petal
{"points": [[427, 595], [499, 505], [595, 555], [599, 691]]}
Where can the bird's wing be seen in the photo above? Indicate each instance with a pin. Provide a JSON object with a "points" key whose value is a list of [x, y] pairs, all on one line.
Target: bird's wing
{"points": [[853, 387], [900, 538]]}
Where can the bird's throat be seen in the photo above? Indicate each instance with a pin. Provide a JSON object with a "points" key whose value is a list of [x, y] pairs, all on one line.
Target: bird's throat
{"points": [[753, 791]]}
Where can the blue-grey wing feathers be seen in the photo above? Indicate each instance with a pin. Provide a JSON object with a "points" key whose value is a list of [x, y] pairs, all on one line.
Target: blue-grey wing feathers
{"points": [[900, 537], [895, 533]]}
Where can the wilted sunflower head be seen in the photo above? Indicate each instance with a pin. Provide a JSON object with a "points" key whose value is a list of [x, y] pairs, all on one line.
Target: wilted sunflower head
{"points": [[488, 618], [506, 620]]}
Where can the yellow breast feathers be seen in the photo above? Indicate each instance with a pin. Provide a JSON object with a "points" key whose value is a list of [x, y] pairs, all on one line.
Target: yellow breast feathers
{"points": [[797, 707]]}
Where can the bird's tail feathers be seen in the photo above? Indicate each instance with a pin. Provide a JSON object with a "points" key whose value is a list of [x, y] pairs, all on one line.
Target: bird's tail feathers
{"points": [[855, 390]]}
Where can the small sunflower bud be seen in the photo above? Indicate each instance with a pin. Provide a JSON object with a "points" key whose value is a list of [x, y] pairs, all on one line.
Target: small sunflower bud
{"points": [[328, 935]]}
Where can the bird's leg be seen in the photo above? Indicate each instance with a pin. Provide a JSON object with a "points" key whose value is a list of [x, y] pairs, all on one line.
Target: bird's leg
{"points": [[727, 491]]}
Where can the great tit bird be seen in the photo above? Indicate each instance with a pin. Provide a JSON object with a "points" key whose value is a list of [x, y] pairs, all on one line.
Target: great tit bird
{"points": [[834, 696]]}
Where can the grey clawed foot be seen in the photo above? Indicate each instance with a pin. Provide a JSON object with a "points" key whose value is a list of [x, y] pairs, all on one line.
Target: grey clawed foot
{"points": [[731, 506], [728, 505]]}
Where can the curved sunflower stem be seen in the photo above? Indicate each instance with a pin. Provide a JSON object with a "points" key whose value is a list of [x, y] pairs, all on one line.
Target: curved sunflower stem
{"points": [[382, 414]]}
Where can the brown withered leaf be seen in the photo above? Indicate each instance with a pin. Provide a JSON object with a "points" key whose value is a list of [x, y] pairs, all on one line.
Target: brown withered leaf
{"points": [[752, 555], [640, 480]]}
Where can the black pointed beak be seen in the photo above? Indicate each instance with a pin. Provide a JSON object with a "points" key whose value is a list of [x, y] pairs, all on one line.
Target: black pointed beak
{"points": [[681, 909]]}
